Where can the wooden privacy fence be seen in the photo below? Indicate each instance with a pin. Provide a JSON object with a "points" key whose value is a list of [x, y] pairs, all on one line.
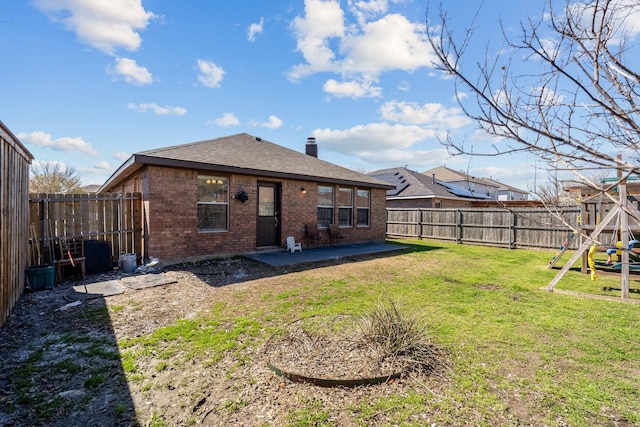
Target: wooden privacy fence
{"points": [[509, 228], [14, 225], [112, 217]]}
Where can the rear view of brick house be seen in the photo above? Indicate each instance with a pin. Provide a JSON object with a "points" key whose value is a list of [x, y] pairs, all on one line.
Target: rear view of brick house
{"points": [[241, 194]]}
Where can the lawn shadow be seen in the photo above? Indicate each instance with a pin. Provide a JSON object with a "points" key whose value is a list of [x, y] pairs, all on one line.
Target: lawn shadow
{"points": [[414, 247], [226, 271], [61, 364]]}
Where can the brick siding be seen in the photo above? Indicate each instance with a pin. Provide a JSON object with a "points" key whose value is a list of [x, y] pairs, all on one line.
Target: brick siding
{"points": [[170, 204]]}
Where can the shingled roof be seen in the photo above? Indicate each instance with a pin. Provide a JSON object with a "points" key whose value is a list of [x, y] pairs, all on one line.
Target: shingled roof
{"points": [[411, 184], [245, 154]]}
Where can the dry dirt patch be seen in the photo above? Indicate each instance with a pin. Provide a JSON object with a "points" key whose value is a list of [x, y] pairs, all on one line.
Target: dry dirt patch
{"points": [[240, 389]]}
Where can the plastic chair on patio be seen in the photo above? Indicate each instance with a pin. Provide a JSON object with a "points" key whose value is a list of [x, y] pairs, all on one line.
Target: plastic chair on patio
{"points": [[292, 245]]}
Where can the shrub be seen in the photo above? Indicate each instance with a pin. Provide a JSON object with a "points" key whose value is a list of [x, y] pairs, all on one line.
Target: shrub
{"points": [[395, 335]]}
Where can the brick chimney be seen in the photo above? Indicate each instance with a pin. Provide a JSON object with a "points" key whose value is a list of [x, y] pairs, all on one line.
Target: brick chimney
{"points": [[312, 148]]}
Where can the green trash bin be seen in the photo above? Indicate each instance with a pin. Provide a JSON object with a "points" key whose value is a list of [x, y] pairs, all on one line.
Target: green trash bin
{"points": [[40, 277]]}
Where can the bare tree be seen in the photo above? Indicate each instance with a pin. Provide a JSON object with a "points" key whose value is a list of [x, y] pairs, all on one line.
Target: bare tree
{"points": [[552, 193], [50, 177], [577, 102]]}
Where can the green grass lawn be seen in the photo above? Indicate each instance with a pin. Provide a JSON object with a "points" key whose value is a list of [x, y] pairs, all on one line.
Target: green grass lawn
{"points": [[519, 355]]}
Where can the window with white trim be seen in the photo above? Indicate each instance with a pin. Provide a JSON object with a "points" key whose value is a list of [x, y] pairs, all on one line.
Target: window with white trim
{"points": [[325, 206], [345, 207], [213, 203], [363, 206]]}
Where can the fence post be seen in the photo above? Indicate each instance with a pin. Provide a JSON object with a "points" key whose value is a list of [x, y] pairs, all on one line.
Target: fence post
{"points": [[458, 226], [512, 230], [120, 202]]}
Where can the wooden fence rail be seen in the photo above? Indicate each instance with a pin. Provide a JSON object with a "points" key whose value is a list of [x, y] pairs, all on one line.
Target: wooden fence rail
{"points": [[508, 228], [112, 217]]}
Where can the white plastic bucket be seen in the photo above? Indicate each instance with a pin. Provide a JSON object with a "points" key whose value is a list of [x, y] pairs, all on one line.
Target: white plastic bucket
{"points": [[128, 263]]}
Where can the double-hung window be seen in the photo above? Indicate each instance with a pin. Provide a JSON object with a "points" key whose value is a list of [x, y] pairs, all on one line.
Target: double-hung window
{"points": [[363, 204], [345, 207], [325, 206], [213, 203]]}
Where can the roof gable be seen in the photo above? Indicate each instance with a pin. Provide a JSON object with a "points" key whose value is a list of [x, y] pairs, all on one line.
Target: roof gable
{"points": [[444, 173], [247, 154]]}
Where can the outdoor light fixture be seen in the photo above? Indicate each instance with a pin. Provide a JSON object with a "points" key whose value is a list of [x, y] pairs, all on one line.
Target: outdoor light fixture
{"points": [[302, 190]]}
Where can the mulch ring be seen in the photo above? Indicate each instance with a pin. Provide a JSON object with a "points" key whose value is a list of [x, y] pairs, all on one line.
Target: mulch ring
{"points": [[329, 351]]}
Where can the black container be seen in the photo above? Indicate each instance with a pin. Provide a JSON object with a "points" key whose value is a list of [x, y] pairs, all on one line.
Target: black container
{"points": [[98, 256]]}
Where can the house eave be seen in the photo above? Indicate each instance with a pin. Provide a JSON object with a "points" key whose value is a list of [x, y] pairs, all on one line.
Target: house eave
{"points": [[124, 171], [136, 161]]}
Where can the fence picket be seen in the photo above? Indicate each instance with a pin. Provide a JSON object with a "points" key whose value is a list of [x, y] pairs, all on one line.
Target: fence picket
{"points": [[86, 216], [510, 228]]}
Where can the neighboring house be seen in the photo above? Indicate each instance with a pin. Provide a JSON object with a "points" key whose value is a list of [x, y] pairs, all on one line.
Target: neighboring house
{"points": [[240, 193], [15, 160], [415, 190], [507, 193], [461, 179], [486, 186]]}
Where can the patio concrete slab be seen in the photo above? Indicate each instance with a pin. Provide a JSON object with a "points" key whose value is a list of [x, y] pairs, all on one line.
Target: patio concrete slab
{"points": [[114, 287], [94, 290], [324, 253], [147, 280]]}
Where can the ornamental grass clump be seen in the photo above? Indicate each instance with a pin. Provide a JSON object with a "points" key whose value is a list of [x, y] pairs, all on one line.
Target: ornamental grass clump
{"points": [[400, 338]]}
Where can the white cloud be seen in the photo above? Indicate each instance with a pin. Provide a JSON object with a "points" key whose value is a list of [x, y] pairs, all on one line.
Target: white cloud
{"points": [[482, 136], [209, 74], [105, 24], [352, 89], [121, 156], [404, 86], [360, 51], [273, 123], [323, 21], [432, 114], [131, 72], [512, 172], [157, 109], [384, 145], [372, 138], [66, 144], [390, 43], [459, 96], [103, 165], [100, 168], [547, 97], [624, 16], [414, 159], [364, 10], [227, 119], [254, 29]]}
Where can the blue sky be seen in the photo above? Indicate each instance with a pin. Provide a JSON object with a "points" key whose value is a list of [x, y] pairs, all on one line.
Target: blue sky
{"points": [[89, 82]]}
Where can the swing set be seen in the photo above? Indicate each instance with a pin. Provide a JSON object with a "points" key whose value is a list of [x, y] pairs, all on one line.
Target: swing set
{"points": [[623, 244]]}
